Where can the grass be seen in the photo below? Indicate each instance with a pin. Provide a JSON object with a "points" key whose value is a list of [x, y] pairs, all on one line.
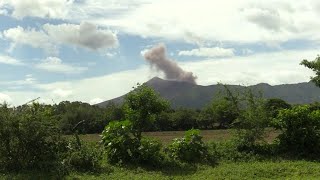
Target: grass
{"points": [[243, 170], [167, 136]]}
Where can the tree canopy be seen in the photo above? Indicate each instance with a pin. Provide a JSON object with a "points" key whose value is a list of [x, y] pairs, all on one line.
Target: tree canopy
{"points": [[315, 67]]}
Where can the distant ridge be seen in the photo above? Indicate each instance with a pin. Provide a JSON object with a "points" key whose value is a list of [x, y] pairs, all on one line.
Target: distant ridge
{"points": [[183, 94]]}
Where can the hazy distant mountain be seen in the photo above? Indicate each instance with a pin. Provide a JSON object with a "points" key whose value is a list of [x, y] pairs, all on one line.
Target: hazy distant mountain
{"points": [[183, 94]]}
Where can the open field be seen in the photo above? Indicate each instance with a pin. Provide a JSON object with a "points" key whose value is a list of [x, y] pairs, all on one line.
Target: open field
{"points": [[167, 136]]}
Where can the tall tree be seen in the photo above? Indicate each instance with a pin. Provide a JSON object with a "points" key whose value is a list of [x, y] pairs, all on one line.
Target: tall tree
{"points": [[141, 106]]}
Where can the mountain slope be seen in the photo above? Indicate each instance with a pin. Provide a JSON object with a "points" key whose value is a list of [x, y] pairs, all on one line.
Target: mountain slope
{"points": [[183, 94]]}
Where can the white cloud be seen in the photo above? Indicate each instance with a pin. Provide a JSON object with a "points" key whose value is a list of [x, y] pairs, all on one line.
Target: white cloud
{"points": [[247, 51], [63, 93], [5, 98], [208, 52], [54, 64], [9, 60], [231, 20], [111, 55], [192, 21], [30, 79], [86, 90], [3, 12], [37, 8], [96, 101], [274, 68], [84, 35], [31, 37]]}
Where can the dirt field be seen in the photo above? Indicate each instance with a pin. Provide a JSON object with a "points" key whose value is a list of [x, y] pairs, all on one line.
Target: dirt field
{"points": [[167, 136]]}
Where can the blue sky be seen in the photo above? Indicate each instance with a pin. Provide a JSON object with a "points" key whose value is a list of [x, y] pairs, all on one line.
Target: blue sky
{"points": [[92, 50]]}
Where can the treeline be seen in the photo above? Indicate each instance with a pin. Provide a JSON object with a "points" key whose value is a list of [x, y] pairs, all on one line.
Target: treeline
{"points": [[219, 114]]}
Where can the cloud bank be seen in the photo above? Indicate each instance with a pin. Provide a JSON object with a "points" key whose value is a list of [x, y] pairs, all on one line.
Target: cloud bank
{"points": [[85, 35]]}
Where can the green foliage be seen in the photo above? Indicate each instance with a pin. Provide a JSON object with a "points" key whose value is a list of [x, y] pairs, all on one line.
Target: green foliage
{"points": [[184, 119], [150, 152], [228, 151], [87, 157], [120, 144], [252, 120], [300, 128], [29, 138], [68, 114], [221, 110], [113, 112], [164, 122], [123, 141], [315, 67], [141, 106], [122, 147], [273, 106], [190, 148]]}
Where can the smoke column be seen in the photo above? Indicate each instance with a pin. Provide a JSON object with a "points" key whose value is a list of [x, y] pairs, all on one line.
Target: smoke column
{"points": [[156, 56]]}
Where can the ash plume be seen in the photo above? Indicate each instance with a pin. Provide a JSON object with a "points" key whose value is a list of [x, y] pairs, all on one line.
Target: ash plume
{"points": [[156, 56]]}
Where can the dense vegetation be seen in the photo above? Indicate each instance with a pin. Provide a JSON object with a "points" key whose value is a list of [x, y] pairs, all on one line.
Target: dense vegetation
{"points": [[33, 137]]}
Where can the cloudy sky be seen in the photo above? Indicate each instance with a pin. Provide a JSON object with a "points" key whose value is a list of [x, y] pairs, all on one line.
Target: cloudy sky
{"points": [[92, 50]]}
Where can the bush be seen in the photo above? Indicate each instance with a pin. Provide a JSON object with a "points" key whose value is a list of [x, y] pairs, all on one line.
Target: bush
{"points": [[300, 128], [120, 144], [29, 139], [252, 120], [228, 151], [150, 152], [82, 158], [123, 147], [190, 148]]}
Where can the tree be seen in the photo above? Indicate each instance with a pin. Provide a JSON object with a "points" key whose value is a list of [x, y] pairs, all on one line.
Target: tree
{"points": [[184, 119], [141, 106], [315, 67], [273, 106], [221, 111], [71, 113]]}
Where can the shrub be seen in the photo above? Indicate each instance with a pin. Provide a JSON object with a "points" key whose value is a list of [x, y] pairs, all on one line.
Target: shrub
{"points": [[123, 147], [29, 139], [150, 152], [252, 120], [300, 128], [190, 148], [84, 158], [120, 144]]}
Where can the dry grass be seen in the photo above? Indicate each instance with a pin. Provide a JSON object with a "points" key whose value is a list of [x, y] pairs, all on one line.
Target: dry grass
{"points": [[167, 136]]}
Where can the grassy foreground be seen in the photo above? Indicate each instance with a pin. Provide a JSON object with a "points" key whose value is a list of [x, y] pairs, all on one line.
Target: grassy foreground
{"points": [[245, 170], [248, 170], [268, 169]]}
